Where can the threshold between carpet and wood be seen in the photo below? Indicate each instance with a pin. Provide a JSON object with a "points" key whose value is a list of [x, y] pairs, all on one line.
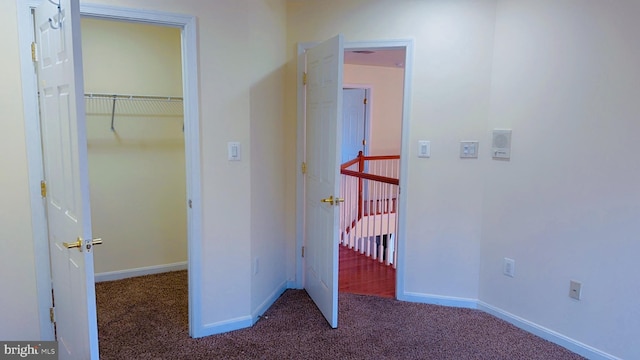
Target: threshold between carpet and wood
{"points": [[147, 318]]}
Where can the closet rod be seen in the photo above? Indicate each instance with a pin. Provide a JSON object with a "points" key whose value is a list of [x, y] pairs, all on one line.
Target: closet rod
{"points": [[116, 97], [133, 97]]}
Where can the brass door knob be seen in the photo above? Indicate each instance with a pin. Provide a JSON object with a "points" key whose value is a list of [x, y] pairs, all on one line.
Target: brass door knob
{"points": [[328, 200], [79, 242]]}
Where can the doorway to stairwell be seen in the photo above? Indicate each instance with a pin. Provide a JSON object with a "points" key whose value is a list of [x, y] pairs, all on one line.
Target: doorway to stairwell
{"points": [[373, 98], [319, 194]]}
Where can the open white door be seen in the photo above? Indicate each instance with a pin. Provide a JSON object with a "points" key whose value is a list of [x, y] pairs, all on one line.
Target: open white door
{"points": [[323, 139], [353, 123], [61, 91]]}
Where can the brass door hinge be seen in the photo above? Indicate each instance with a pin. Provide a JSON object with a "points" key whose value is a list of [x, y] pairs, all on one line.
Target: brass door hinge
{"points": [[304, 78], [52, 315], [304, 167], [33, 52], [365, 101], [364, 142], [303, 251], [43, 188]]}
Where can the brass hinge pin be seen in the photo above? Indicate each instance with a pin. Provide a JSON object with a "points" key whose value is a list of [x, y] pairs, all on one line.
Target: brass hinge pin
{"points": [[33, 51], [43, 188]]}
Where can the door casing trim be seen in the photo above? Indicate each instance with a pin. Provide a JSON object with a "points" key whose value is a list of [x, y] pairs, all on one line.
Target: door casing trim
{"points": [[407, 44]]}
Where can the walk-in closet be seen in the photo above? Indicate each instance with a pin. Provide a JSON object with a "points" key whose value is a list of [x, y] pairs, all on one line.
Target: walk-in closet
{"points": [[136, 152]]}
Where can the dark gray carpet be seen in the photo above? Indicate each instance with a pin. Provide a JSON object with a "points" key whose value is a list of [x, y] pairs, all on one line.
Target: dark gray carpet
{"points": [[146, 318]]}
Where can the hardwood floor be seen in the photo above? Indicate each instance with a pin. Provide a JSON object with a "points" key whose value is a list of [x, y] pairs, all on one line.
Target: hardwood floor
{"points": [[358, 274]]}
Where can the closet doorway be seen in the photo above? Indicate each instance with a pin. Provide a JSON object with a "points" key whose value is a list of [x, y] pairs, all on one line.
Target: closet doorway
{"points": [[136, 147]]}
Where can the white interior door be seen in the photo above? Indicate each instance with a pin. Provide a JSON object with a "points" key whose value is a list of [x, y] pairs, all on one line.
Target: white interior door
{"points": [[323, 140], [353, 123], [60, 85]]}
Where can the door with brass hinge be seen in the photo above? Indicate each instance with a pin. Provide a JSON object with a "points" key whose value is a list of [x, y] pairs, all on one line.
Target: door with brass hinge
{"points": [[66, 190], [324, 64]]}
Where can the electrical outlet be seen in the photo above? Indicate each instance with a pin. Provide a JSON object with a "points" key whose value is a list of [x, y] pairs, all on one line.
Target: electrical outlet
{"points": [[575, 289], [509, 267]]}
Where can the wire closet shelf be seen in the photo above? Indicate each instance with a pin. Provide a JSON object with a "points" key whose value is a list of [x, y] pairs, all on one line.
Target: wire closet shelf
{"points": [[132, 105]]}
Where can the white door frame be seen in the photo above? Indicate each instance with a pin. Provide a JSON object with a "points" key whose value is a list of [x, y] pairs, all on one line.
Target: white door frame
{"points": [[367, 112], [187, 24], [404, 151]]}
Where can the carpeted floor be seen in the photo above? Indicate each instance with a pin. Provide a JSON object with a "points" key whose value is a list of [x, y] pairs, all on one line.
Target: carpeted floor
{"points": [[146, 318]]}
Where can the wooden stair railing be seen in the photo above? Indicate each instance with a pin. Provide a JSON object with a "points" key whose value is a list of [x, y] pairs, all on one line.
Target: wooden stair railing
{"points": [[370, 188], [361, 175]]}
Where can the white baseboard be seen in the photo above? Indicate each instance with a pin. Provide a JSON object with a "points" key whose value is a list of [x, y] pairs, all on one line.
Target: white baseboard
{"points": [[147, 270], [547, 334], [224, 326], [268, 302], [439, 300], [292, 284], [526, 325]]}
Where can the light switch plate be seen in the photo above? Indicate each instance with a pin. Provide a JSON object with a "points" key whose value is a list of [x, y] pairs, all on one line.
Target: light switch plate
{"points": [[509, 267], [469, 149], [424, 149], [575, 289], [234, 150]]}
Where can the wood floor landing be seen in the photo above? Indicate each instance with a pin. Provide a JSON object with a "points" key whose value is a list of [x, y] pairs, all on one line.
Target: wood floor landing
{"points": [[358, 274]]}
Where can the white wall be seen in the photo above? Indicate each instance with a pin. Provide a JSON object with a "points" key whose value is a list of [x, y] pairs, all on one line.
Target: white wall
{"points": [[566, 80], [268, 243], [137, 173], [387, 85], [18, 307]]}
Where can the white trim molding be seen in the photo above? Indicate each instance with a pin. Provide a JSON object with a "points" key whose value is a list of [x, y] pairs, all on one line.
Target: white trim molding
{"points": [[225, 326], [34, 166], [266, 304], [547, 334], [524, 324], [450, 301], [141, 271]]}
